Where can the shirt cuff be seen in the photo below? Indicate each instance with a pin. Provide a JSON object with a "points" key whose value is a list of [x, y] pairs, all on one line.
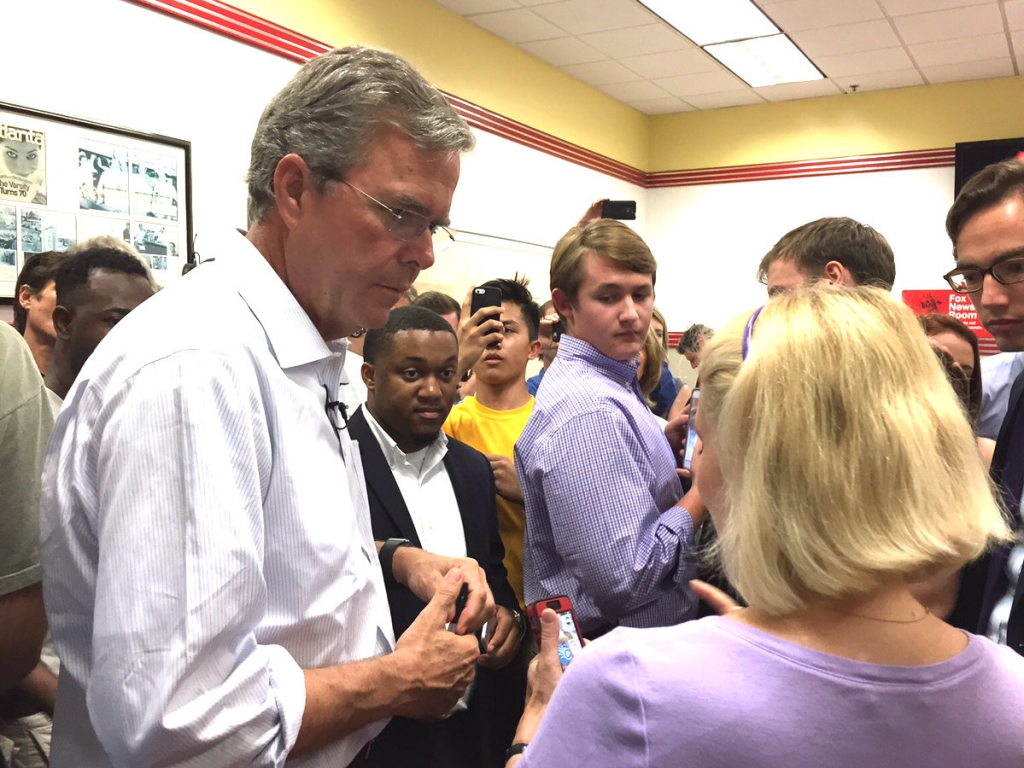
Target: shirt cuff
{"points": [[288, 686]]}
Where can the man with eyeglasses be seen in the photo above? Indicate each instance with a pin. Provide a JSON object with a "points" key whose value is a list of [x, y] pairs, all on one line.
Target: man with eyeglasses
{"points": [[986, 225], [212, 580]]}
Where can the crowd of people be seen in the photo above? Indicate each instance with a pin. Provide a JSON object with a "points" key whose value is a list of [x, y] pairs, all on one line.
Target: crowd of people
{"points": [[291, 509]]}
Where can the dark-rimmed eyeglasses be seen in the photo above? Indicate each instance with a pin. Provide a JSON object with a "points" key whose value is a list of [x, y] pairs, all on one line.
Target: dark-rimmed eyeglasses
{"points": [[971, 279], [335, 408], [408, 225]]}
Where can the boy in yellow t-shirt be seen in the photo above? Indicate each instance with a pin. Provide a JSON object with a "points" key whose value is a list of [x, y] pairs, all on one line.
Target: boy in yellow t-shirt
{"points": [[492, 420]]}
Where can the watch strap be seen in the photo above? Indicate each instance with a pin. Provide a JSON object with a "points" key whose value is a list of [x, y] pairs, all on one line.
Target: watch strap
{"points": [[387, 560]]}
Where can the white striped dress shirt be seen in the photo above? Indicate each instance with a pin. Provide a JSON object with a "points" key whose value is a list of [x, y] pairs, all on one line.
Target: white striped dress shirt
{"points": [[202, 539]]}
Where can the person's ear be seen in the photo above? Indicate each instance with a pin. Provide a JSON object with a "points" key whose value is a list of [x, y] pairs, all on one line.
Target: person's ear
{"points": [[25, 296], [368, 372], [837, 274], [562, 305], [62, 321], [534, 349], [292, 178]]}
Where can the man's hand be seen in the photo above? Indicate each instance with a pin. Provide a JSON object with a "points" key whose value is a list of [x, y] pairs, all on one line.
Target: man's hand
{"points": [[675, 433], [694, 504], [439, 664], [506, 481], [504, 642], [593, 213], [476, 332], [424, 573]]}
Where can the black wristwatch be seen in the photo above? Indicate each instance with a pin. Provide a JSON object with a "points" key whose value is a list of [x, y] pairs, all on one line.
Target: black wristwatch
{"points": [[516, 749], [387, 560]]}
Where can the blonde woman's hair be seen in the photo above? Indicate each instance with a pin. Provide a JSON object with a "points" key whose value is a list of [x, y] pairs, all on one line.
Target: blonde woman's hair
{"points": [[654, 356], [846, 457], [607, 238]]}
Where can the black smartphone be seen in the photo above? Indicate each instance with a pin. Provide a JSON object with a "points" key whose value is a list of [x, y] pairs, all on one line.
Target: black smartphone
{"points": [[691, 433], [557, 330], [618, 209], [485, 297], [460, 605]]}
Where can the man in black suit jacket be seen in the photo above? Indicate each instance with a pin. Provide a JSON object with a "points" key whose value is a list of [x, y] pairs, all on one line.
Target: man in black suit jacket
{"points": [[436, 493], [986, 225]]}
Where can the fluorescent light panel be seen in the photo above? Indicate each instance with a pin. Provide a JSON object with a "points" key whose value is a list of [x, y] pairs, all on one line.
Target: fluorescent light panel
{"points": [[766, 61], [740, 36], [714, 21]]}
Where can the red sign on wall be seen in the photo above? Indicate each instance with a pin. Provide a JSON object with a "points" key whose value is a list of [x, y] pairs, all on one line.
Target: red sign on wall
{"points": [[956, 305]]}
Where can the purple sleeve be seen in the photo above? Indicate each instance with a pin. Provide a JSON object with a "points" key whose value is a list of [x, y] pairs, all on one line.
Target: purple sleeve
{"points": [[607, 526], [597, 717]]}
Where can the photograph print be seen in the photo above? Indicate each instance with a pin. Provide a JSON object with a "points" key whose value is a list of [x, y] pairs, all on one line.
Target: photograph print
{"points": [[22, 164], [154, 186], [102, 177]]}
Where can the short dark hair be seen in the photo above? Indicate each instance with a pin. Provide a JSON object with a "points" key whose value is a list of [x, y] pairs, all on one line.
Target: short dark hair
{"points": [[378, 340], [690, 340], [517, 291], [75, 271], [439, 303], [988, 187], [38, 272], [858, 247]]}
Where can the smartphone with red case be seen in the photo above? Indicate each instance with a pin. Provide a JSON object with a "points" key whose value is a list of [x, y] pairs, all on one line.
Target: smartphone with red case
{"points": [[570, 639]]}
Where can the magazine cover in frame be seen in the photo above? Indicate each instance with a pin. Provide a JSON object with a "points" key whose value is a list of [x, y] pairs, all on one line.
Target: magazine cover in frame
{"points": [[65, 179]]}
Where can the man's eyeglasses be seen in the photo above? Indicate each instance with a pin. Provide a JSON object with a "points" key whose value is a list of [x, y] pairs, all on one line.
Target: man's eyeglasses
{"points": [[971, 279], [409, 225]]}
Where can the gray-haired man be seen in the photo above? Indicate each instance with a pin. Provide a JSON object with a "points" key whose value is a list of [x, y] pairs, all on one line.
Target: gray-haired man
{"points": [[212, 581]]}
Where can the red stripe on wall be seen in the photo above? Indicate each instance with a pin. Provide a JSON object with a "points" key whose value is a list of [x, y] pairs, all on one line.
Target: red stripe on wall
{"points": [[263, 34]]}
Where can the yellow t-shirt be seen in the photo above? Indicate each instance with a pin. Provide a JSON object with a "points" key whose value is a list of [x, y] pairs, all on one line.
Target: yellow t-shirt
{"points": [[491, 431]]}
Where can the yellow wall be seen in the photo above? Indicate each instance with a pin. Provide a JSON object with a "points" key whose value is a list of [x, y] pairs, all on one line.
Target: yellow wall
{"points": [[467, 61], [471, 63], [928, 117]]}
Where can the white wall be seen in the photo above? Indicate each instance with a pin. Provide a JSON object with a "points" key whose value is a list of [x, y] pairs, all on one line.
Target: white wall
{"points": [[116, 63]]}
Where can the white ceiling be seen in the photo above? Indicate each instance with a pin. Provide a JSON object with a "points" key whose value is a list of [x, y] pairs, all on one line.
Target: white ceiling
{"points": [[626, 51]]}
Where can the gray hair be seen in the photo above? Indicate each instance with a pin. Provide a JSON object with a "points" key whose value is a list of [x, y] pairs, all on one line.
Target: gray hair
{"points": [[690, 340], [328, 113]]}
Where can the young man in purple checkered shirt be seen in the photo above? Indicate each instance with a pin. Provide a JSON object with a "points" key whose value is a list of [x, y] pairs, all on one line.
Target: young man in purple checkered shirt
{"points": [[606, 521]]}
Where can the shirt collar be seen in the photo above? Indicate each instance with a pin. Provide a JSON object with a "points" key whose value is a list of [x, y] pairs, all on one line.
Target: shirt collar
{"points": [[435, 452], [293, 338], [571, 348]]}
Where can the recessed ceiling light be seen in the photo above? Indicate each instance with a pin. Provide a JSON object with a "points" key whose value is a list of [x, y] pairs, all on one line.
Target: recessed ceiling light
{"points": [[766, 61], [714, 21]]}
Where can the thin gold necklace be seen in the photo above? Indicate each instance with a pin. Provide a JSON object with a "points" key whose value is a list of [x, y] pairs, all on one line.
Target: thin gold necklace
{"points": [[922, 617]]}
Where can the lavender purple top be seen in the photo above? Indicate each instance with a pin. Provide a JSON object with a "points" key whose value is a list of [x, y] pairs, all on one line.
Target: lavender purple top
{"points": [[600, 488], [715, 693]]}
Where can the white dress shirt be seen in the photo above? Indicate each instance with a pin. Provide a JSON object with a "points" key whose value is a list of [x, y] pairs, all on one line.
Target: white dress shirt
{"points": [[427, 490], [204, 539], [352, 391]]}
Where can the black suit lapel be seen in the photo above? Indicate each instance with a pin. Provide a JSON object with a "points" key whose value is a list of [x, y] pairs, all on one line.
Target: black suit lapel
{"points": [[475, 533], [380, 482]]}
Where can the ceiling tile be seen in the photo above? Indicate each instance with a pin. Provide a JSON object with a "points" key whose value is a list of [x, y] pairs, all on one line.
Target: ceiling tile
{"points": [[601, 72], [562, 51], [956, 51], [725, 99], [636, 41], [580, 17], [702, 82], [906, 7], [950, 24], [879, 81], [668, 106], [671, 63], [518, 26], [790, 91], [466, 7], [969, 70], [849, 38], [1017, 38], [639, 90], [888, 59], [798, 15], [1014, 13]]}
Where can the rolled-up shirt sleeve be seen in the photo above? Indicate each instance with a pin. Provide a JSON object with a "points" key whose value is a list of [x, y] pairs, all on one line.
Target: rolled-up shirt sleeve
{"points": [[172, 479], [604, 516]]}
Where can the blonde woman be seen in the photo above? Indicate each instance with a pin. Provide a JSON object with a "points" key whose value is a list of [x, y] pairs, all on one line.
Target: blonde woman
{"points": [[838, 467]]}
